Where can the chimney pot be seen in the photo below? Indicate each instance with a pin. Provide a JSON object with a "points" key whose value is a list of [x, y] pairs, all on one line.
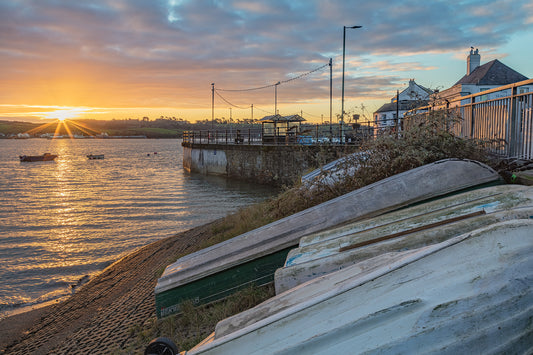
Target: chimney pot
{"points": [[473, 60]]}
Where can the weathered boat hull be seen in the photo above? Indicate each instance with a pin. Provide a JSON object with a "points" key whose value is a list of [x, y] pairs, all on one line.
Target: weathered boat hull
{"points": [[204, 290], [471, 293], [408, 228], [416, 185]]}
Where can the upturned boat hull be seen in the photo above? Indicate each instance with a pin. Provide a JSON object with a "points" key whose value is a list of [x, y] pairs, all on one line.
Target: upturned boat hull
{"points": [[408, 228], [471, 293], [191, 272]]}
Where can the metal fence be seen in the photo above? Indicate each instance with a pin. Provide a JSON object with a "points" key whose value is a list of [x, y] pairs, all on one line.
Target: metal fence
{"points": [[348, 133], [503, 117]]}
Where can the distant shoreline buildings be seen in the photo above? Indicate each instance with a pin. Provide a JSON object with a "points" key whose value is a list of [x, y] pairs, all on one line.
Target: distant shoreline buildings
{"points": [[478, 78]]}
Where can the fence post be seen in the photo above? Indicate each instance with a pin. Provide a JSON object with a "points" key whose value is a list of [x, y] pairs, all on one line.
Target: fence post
{"points": [[472, 118], [514, 123]]}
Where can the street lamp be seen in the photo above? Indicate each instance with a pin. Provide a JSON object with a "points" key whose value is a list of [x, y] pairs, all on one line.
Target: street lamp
{"points": [[343, 56], [276, 97]]}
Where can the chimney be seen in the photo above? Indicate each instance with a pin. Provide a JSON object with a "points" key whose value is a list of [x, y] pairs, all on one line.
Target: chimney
{"points": [[472, 61]]}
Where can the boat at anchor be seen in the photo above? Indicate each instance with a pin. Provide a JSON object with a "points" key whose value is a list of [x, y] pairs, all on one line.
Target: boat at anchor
{"points": [[44, 157]]}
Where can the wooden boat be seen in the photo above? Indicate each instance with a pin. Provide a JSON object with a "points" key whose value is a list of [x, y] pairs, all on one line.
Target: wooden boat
{"points": [[470, 293], [44, 157], [95, 156], [408, 228], [253, 257]]}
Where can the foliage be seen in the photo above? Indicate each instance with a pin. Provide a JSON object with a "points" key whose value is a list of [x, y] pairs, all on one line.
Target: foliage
{"points": [[426, 139], [195, 323]]}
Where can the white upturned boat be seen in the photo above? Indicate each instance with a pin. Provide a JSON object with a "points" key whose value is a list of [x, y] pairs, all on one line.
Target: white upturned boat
{"points": [[469, 294], [253, 257], [407, 228]]}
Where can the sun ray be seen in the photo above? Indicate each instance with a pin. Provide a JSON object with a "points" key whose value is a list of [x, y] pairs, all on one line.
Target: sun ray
{"points": [[84, 128], [40, 128], [58, 128], [67, 128]]}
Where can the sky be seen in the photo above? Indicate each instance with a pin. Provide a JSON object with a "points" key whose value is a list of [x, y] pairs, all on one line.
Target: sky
{"points": [[121, 59]]}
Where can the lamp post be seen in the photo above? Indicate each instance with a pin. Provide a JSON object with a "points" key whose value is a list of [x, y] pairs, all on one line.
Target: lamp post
{"points": [[330, 89], [276, 98], [343, 57]]}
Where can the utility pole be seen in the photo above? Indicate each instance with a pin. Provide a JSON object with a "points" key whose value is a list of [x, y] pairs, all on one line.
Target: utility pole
{"points": [[276, 98], [397, 121], [212, 105], [252, 113]]}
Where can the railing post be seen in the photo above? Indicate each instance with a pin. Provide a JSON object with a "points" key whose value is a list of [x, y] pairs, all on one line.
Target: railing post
{"points": [[472, 120], [514, 134]]}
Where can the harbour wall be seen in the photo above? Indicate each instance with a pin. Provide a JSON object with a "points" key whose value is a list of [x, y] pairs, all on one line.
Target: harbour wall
{"points": [[275, 165]]}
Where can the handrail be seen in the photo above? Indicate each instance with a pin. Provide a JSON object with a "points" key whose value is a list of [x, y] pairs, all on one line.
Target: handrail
{"points": [[317, 134]]}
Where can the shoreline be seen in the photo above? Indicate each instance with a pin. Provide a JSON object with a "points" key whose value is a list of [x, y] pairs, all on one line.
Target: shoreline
{"points": [[98, 317]]}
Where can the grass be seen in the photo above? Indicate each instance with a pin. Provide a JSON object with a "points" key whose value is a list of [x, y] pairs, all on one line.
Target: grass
{"points": [[195, 323], [427, 140]]}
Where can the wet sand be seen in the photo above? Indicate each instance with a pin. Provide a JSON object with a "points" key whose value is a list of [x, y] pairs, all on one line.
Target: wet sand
{"points": [[99, 317]]}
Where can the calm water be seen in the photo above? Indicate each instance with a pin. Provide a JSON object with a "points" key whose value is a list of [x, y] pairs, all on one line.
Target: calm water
{"points": [[72, 217]]}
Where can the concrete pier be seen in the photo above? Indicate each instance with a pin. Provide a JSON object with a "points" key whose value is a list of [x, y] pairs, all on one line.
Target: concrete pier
{"points": [[275, 165]]}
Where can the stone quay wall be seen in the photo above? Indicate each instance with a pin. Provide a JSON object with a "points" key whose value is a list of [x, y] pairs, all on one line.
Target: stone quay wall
{"points": [[275, 165]]}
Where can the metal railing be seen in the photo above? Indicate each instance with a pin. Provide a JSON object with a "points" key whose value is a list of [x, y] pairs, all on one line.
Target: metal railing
{"points": [[352, 133], [501, 116]]}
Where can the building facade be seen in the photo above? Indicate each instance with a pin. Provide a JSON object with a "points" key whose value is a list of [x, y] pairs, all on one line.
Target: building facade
{"points": [[390, 114]]}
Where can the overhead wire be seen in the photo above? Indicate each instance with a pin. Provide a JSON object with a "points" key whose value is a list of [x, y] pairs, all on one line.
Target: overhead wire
{"points": [[278, 83], [229, 103]]}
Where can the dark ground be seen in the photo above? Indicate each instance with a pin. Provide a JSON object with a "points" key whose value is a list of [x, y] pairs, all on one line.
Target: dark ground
{"points": [[99, 317]]}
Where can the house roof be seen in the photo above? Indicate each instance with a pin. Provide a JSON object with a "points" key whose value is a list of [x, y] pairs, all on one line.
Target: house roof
{"points": [[407, 89], [492, 73], [404, 105]]}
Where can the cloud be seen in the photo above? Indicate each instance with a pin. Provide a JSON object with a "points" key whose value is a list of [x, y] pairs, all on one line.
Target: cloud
{"points": [[167, 52]]}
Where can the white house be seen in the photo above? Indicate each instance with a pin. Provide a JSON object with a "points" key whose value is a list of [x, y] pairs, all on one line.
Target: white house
{"points": [[410, 98], [480, 78]]}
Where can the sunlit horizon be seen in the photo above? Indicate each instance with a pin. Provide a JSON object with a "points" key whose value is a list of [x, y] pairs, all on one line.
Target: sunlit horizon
{"points": [[135, 59]]}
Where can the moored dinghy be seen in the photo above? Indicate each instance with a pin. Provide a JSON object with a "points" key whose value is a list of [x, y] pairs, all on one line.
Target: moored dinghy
{"points": [[469, 293], [31, 158], [404, 229], [253, 257]]}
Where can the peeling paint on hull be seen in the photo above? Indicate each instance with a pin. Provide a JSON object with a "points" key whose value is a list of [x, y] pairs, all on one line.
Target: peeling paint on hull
{"points": [[471, 293]]}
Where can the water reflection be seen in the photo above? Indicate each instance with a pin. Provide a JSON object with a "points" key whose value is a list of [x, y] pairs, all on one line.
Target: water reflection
{"points": [[72, 216]]}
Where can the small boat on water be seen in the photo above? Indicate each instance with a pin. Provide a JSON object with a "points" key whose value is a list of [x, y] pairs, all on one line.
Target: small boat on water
{"points": [[44, 157], [253, 257], [470, 293], [95, 156]]}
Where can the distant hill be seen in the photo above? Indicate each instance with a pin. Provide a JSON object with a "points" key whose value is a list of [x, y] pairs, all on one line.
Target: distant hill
{"points": [[159, 128]]}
